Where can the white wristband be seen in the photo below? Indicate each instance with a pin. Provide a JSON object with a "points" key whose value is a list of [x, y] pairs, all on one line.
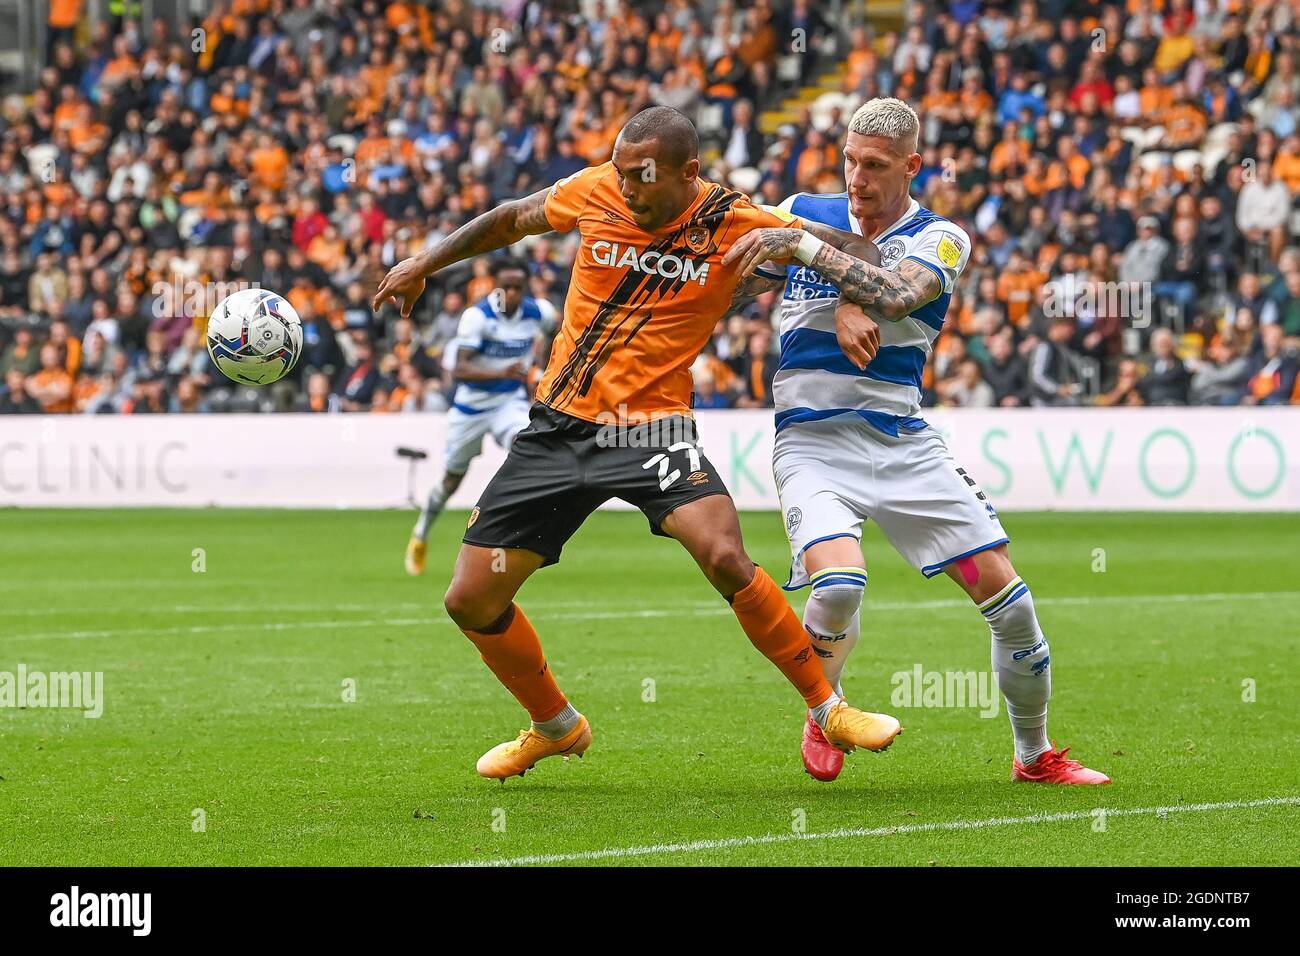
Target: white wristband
{"points": [[809, 246]]}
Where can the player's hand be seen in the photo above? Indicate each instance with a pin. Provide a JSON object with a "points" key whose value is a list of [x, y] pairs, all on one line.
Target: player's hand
{"points": [[762, 245], [517, 370], [857, 333], [404, 281]]}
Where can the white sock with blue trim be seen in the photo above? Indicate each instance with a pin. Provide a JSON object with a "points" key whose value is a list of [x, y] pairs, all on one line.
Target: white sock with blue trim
{"points": [[433, 506], [1023, 666], [832, 618]]}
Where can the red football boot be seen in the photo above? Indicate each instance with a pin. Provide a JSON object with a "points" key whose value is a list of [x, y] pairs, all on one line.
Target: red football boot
{"points": [[1054, 767], [820, 759]]}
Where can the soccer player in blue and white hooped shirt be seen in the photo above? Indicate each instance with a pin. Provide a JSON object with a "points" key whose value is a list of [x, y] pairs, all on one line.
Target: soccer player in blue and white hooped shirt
{"points": [[495, 347], [850, 443]]}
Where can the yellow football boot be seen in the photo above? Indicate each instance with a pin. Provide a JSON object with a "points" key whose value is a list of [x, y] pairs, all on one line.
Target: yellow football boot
{"points": [[515, 757], [847, 728], [416, 551]]}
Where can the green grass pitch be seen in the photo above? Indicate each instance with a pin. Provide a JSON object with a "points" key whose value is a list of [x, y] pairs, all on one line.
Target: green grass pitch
{"points": [[224, 692]]}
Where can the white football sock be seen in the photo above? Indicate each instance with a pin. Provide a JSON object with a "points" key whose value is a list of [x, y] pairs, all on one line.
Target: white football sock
{"points": [[832, 618], [1023, 666], [429, 513], [559, 725], [823, 710]]}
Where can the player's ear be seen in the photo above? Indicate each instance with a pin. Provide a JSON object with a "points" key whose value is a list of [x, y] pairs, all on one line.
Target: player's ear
{"points": [[690, 170], [914, 164]]}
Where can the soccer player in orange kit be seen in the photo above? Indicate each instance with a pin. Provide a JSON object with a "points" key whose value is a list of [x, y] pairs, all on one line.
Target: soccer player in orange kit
{"points": [[613, 419]]}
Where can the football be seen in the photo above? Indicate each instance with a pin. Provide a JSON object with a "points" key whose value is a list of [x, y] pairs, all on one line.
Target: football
{"points": [[254, 337]]}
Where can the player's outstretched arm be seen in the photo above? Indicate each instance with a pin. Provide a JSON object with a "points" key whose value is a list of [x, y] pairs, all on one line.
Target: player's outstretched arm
{"points": [[751, 287], [848, 261], [495, 229]]}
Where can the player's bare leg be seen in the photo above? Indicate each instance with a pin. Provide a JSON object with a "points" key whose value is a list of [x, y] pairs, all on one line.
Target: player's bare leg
{"points": [[709, 529], [832, 619], [417, 548], [481, 602], [1021, 663]]}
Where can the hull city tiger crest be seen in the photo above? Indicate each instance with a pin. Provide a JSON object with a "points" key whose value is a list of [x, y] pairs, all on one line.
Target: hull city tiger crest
{"points": [[697, 238]]}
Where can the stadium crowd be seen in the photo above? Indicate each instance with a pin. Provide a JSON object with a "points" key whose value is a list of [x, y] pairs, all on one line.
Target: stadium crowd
{"points": [[1128, 171]]}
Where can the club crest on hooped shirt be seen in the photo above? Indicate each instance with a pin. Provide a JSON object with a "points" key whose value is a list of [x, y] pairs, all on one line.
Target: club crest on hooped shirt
{"points": [[891, 252]]}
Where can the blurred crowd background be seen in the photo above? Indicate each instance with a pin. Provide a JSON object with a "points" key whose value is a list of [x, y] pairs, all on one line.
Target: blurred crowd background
{"points": [[1128, 172]]}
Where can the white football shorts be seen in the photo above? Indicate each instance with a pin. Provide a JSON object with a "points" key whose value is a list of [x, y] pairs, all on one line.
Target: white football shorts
{"points": [[465, 431], [833, 474]]}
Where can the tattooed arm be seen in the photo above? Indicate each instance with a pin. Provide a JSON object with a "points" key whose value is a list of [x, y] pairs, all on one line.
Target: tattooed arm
{"points": [[887, 294], [495, 229], [848, 261], [752, 286], [856, 331]]}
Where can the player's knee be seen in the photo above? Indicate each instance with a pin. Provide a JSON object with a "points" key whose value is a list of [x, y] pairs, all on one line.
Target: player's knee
{"points": [[471, 608], [727, 566], [836, 597]]}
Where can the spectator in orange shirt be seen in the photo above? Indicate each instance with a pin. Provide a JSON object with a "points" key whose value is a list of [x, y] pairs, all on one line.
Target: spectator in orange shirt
{"points": [[482, 283], [1184, 122], [862, 60], [328, 249], [1286, 165], [64, 16], [975, 100], [1011, 152], [818, 155], [1017, 286], [270, 162], [69, 345], [1155, 97], [665, 37], [371, 149], [52, 385]]}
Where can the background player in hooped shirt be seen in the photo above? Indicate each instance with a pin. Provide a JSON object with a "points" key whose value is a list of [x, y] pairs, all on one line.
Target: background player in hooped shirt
{"points": [[612, 419], [850, 444], [494, 350]]}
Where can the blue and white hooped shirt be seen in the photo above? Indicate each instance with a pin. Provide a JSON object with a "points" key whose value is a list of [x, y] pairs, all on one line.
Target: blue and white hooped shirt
{"points": [[815, 379], [500, 341]]}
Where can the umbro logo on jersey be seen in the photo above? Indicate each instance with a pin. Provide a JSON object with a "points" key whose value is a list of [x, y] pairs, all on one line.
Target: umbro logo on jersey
{"points": [[656, 263], [698, 477], [612, 216]]}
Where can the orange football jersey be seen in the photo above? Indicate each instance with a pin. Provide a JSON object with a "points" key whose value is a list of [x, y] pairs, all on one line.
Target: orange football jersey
{"points": [[641, 305]]}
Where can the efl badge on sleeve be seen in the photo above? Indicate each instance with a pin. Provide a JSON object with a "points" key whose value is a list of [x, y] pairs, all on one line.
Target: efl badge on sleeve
{"points": [[778, 212], [950, 250]]}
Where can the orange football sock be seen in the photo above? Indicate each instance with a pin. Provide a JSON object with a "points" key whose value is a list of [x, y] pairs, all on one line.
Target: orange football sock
{"points": [[511, 650], [774, 629]]}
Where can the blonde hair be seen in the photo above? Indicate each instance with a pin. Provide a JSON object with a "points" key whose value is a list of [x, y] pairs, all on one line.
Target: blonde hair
{"points": [[889, 118]]}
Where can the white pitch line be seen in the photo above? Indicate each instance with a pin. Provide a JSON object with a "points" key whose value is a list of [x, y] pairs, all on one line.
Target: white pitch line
{"points": [[704, 610], [698, 846], [234, 608]]}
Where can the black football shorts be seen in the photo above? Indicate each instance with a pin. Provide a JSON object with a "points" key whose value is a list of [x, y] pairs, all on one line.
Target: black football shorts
{"points": [[560, 469]]}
